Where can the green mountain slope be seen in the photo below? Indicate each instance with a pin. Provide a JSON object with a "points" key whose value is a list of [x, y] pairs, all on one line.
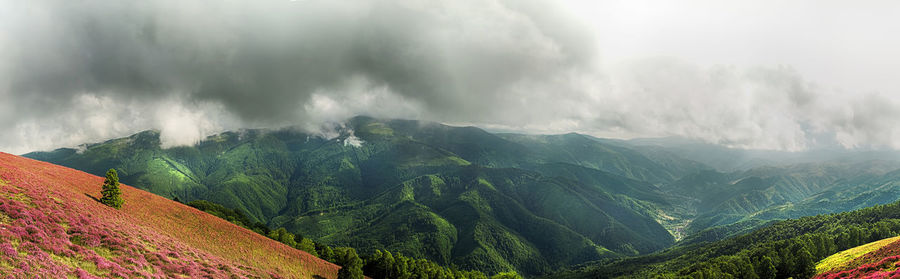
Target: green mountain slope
{"points": [[492, 202], [774, 193], [593, 153], [859, 191], [780, 249], [455, 195]]}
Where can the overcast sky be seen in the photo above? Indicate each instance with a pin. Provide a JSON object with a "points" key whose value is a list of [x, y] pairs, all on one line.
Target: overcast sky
{"points": [[786, 75]]}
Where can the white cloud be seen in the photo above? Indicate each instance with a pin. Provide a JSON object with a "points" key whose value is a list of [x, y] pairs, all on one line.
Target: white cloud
{"points": [[760, 74], [185, 126]]}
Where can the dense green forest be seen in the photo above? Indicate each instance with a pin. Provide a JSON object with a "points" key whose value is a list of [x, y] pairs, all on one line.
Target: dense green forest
{"points": [[453, 195], [781, 249], [465, 197], [378, 265]]}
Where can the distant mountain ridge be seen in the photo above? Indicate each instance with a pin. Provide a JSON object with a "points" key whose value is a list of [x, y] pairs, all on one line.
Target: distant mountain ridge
{"points": [[456, 195], [726, 159], [491, 202]]}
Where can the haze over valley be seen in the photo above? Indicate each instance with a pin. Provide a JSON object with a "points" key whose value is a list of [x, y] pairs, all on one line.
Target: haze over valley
{"points": [[449, 139]]}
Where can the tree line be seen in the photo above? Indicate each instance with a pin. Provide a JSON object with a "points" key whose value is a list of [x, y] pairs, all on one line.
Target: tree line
{"points": [[782, 249], [378, 265]]}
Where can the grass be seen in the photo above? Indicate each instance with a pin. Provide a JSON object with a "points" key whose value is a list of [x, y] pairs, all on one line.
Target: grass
{"points": [[76, 263], [376, 128], [845, 256], [52, 225], [881, 262]]}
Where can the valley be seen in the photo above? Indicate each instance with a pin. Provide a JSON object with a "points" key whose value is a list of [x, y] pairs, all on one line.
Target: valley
{"points": [[462, 196], [449, 139]]}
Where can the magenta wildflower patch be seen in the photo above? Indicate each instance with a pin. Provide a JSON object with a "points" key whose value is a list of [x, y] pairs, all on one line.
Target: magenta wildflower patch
{"points": [[50, 225], [881, 263]]}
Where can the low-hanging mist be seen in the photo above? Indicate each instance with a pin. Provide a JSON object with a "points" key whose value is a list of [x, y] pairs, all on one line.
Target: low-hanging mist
{"points": [[85, 71]]}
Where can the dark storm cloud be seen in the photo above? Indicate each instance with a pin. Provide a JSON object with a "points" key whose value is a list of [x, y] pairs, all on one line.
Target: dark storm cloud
{"points": [[81, 71], [262, 60]]}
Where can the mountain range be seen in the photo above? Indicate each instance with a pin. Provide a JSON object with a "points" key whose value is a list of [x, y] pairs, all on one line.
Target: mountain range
{"points": [[463, 196]]}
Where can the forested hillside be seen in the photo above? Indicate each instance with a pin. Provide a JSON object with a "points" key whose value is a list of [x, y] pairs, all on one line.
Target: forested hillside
{"points": [[454, 195], [462, 196], [781, 249]]}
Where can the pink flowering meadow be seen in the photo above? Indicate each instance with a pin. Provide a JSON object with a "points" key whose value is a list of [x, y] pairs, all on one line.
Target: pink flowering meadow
{"points": [[52, 226], [881, 263]]}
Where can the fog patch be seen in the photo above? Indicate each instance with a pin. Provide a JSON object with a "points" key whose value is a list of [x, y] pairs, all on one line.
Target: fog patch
{"points": [[352, 140]]}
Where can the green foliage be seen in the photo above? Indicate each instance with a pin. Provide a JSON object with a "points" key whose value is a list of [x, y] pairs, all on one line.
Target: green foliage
{"points": [[765, 268], [380, 264], [385, 265], [283, 236], [507, 275], [351, 264], [460, 196], [307, 245], [230, 215], [787, 248], [325, 252], [804, 264], [453, 195], [110, 192]]}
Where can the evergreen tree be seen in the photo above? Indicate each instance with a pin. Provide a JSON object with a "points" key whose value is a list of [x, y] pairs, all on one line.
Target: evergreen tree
{"points": [[111, 193]]}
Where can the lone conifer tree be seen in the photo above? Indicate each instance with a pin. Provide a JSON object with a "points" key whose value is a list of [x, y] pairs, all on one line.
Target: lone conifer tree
{"points": [[112, 194]]}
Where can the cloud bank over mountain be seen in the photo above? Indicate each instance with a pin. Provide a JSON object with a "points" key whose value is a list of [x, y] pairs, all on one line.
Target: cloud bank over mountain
{"points": [[74, 72]]}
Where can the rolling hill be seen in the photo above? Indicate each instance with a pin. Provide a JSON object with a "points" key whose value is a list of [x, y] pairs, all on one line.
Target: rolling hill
{"points": [[52, 224], [878, 259], [490, 202], [719, 200], [455, 195], [779, 249], [839, 261]]}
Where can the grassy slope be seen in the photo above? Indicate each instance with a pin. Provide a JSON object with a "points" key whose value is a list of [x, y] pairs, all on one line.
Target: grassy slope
{"points": [[879, 263], [52, 224], [841, 258], [876, 264]]}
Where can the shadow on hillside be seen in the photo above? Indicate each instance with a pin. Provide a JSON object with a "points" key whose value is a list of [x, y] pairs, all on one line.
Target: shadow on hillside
{"points": [[318, 277], [92, 197]]}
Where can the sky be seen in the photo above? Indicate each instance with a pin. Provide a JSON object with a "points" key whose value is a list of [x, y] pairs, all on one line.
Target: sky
{"points": [[778, 75]]}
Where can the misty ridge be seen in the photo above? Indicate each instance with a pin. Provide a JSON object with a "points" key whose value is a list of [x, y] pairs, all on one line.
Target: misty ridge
{"points": [[496, 202], [501, 139]]}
